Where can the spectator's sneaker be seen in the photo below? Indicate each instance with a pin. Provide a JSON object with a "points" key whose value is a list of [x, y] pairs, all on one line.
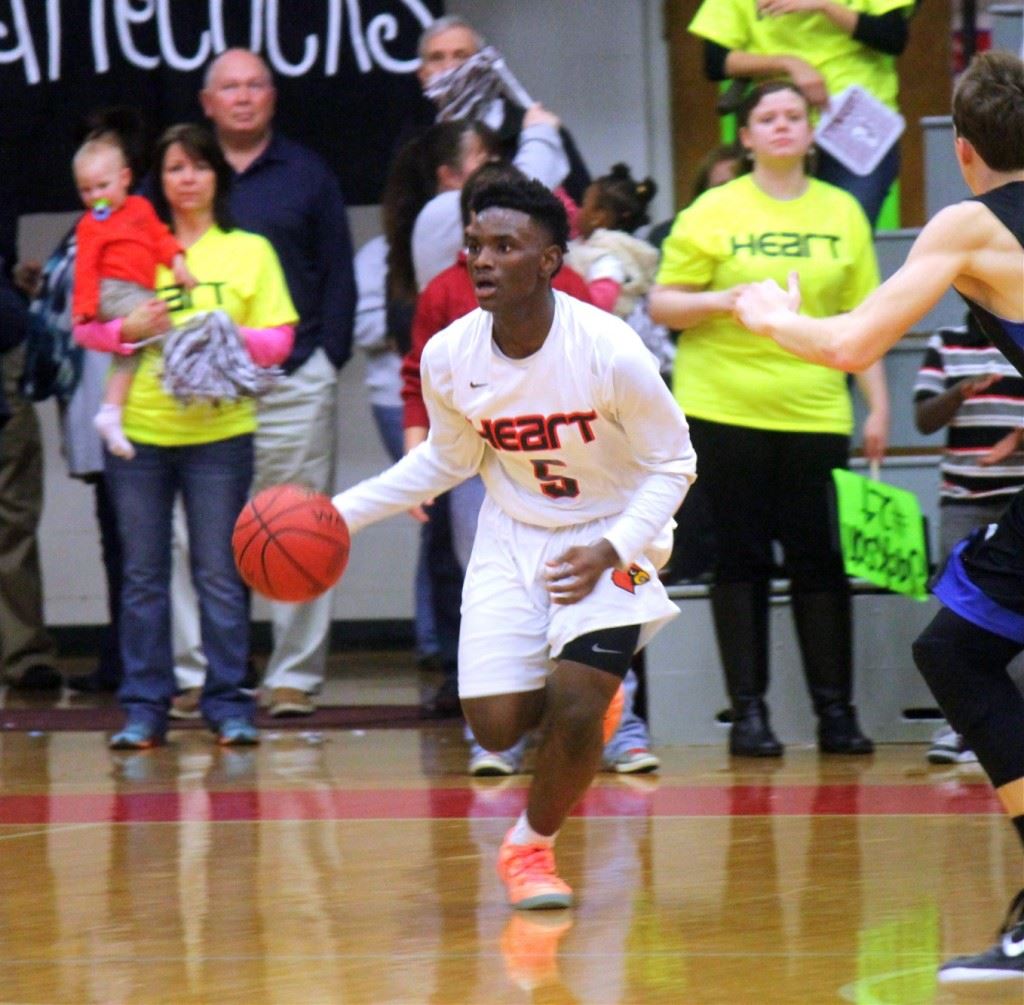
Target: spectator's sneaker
{"points": [[185, 704], [528, 872], [491, 764], [613, 716], [948, 748], [1003, 962], [135, 736], [289, 701], [237, 733], [529, 947], [636, 761]]}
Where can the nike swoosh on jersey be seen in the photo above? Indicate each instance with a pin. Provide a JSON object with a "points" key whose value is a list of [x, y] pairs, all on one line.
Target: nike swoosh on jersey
{"points": [[595, 648], [482, 383]]}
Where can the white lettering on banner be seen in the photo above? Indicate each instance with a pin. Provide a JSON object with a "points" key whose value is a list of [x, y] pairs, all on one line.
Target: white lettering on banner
{"points": [[368, 42], [217, 37], [98, 30], [24, 49], [53, 32], [174, 59], [384, 28], [276, 57], [125, 15]]}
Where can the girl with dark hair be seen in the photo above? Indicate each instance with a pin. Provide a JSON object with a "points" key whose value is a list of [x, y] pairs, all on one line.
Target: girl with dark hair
{"points": [[618, 267]]}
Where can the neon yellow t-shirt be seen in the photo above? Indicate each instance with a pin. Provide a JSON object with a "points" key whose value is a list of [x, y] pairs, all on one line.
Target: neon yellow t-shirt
{"points": [[238, 273], [840, 59], [736, 234]]}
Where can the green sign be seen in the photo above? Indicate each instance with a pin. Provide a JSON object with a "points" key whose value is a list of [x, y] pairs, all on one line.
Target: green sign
{"points": [[882, 534]]}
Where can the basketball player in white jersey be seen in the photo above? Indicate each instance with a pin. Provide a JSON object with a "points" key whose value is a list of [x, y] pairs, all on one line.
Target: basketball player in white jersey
{"points": [[585, 457]]}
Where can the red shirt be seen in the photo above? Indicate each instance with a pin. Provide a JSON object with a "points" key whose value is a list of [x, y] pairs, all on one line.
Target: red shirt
{"points": [[446, 298], [127, 245]]}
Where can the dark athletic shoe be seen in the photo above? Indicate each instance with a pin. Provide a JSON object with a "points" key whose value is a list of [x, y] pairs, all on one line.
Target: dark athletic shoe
{"points": [[1003, 962]]}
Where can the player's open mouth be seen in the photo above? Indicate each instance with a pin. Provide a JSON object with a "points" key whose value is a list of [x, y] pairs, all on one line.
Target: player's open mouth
{"points": [[484, 287]]}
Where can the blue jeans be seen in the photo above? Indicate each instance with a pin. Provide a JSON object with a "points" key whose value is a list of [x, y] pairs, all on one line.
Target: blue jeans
{"points": [[869, 190], [389, 425], [214, 480]]}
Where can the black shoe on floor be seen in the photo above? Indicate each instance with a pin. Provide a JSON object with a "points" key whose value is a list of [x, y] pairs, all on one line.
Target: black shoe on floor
{"points": [[1003, 962], [839, 733], [38, 678], [751, 736], [94, 683]]}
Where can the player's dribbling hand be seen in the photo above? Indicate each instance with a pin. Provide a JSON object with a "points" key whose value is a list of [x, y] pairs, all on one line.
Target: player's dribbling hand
{"points": [[574, 573], [759, 303]]}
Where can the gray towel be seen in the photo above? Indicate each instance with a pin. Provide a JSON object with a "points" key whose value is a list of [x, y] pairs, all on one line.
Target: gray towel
{"points": [[206, 359], [467, 91]]}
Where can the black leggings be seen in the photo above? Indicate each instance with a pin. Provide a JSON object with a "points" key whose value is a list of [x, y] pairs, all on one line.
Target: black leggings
{"points": [[767, 486], [965, 667]]}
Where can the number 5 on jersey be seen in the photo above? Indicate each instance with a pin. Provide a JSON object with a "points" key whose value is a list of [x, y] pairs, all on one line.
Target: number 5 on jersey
{"points": [[555, 486]]}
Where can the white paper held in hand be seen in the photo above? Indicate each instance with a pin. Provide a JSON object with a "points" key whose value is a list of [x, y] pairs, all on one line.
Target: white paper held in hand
{"points": [[857, 129]]}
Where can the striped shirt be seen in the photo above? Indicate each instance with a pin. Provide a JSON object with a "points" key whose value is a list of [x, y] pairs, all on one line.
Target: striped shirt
{"points": [[981, 421]]}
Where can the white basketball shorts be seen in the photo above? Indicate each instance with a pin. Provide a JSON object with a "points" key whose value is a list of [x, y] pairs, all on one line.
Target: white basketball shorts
{"points": [[510, 627]]}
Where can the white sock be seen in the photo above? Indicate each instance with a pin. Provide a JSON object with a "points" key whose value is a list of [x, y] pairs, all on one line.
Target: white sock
{"points": [[108, 425], [523, 833]]}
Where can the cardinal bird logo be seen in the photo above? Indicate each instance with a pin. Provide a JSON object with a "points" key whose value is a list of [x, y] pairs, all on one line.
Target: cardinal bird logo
{"points": [[629, 579]]}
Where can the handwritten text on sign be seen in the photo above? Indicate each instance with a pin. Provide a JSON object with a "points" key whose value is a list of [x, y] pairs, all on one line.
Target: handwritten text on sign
{"points": [[882, 534]]}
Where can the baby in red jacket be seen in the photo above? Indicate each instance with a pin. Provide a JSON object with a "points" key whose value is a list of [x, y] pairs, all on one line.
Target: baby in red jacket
{"points": [[120, 241]]}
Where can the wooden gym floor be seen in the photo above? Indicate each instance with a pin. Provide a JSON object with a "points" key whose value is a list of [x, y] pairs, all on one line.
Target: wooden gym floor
{"points": [[357, 867]]}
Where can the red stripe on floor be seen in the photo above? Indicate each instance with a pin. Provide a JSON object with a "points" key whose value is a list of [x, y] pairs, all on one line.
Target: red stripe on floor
{"points": [[488, 801]]}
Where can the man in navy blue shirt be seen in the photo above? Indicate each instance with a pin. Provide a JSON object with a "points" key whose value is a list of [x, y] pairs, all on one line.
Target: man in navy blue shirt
{"points": [[288, 194]]}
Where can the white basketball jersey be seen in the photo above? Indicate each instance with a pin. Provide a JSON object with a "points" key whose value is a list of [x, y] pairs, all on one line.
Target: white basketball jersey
{"points": [[583, 429]]}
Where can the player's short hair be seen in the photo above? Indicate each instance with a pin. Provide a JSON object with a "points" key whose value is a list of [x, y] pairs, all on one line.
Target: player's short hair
{"points": [[529, 196], [988, 109], [487, 174], [443, 24]]}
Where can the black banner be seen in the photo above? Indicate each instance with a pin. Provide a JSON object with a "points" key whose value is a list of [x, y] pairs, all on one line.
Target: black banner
{"points": [[343, 69]]}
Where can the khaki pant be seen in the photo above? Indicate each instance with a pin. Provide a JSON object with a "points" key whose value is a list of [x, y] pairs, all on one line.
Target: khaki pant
{"points": [[24, 641]]}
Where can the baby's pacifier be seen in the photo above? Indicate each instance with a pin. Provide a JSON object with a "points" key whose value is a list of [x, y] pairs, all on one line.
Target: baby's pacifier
{"points": [[101, 209]]}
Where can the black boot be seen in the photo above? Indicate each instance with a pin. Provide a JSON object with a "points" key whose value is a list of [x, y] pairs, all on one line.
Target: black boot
{"points": [[751, 736], [825, 633], [839, 733], [741, 627]]}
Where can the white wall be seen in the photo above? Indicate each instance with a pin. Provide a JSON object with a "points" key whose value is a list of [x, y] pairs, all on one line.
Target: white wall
{"points": [[603, 68], [602, 65]]}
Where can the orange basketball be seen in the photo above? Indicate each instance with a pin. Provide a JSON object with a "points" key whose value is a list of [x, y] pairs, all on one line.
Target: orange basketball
{"points": [[290, 543]]}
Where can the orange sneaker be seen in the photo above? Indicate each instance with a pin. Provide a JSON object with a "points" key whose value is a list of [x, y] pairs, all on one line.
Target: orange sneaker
{"points": [[613, 716], [528, 872], [529, 947]]}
